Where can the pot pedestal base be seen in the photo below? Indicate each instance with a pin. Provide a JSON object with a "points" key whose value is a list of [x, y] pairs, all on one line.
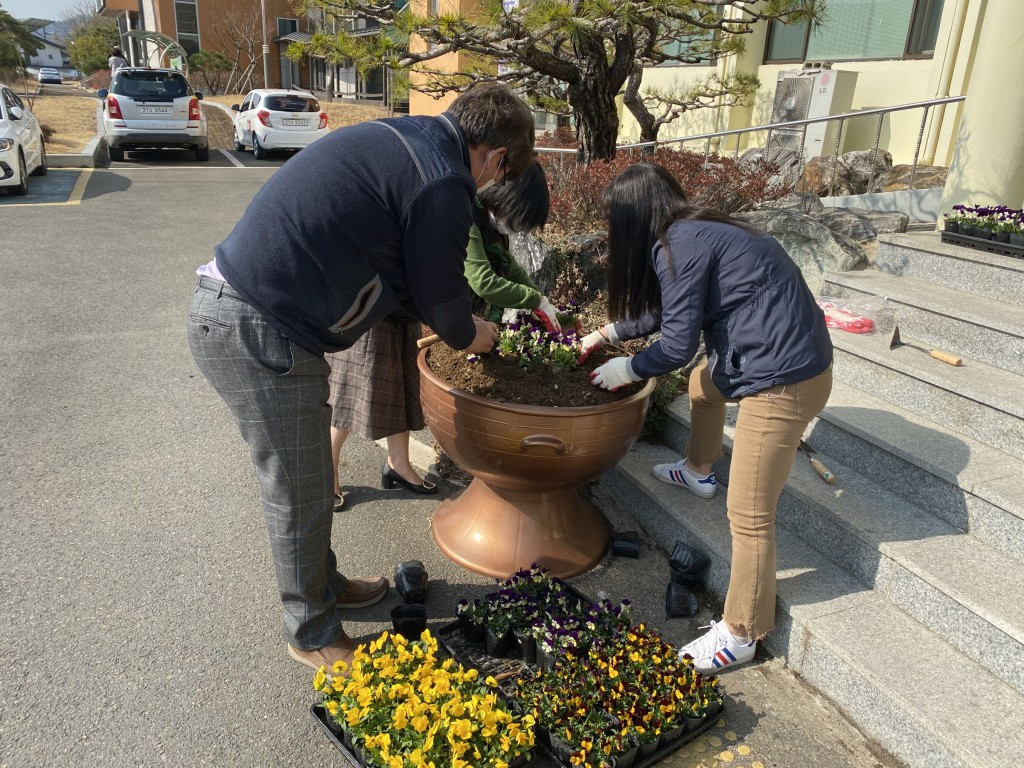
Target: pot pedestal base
{"points": [[496, 532]]}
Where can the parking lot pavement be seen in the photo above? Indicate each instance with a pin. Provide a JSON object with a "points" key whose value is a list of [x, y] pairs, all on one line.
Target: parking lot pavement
{"points": [[58, 187], [140, 623]]}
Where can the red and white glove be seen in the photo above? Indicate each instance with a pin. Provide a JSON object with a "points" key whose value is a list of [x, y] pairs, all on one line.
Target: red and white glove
{"points": [[617, 372], [592, 342], [548, 315]]}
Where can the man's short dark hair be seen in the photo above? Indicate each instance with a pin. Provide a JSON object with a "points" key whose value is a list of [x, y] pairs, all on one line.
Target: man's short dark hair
{"points": [[491, 114]]}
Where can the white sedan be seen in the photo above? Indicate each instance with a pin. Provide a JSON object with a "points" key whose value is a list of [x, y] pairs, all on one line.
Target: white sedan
{"points": [[49, 75], [22, 151], [270, 119]]}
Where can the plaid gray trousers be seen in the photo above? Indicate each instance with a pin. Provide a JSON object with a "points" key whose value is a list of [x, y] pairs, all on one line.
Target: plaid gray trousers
{"points": [[277, 392]]}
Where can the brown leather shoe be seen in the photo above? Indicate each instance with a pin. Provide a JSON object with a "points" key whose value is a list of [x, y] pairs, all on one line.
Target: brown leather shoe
{"points": [[342, 649], [363, 592]]}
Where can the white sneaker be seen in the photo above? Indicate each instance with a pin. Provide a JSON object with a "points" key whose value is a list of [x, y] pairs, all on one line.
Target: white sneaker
{"points": [[679, 474], [718, 649]]}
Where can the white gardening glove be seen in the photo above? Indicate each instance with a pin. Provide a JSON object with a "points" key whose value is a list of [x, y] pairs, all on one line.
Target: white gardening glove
{"points": [[548, 315], [617, 372], [594, 341]]}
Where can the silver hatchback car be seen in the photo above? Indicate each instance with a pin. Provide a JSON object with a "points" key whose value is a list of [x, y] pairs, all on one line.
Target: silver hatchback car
{"points": [[152, 109]]}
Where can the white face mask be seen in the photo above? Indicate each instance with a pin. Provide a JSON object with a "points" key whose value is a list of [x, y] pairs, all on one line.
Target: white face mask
{"points": [[487, 184]]}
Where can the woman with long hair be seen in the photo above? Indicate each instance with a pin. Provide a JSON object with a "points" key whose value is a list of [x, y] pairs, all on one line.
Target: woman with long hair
{"points": [[684, 270]]}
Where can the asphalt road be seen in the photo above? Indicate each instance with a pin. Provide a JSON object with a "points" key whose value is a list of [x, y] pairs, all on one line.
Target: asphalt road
{"points": [[139, 620]]}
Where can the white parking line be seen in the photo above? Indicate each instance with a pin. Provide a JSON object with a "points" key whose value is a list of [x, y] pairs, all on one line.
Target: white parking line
{"points": [[234, 160]]}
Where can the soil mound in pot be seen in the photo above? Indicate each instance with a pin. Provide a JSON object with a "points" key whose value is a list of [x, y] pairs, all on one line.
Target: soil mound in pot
{"points": [[505, 380]]}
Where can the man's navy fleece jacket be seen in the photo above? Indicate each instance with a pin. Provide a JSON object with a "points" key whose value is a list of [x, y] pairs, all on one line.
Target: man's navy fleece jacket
{"points": [[368, 220]]}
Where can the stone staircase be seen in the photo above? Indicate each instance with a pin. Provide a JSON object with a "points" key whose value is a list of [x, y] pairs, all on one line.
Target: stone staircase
{"points": [[901, 587]]}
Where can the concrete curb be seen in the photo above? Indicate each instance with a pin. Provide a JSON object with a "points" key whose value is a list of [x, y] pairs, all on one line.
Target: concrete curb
{"points": [[87, 158]]}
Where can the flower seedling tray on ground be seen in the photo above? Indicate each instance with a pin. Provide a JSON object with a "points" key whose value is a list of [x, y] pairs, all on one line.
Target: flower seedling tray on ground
{"points": [[334, 734], [543, 756], [980, 244], [505, 669]]}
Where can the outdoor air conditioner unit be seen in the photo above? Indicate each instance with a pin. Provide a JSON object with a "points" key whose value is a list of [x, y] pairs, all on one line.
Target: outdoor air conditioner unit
{"points": [[814, 91]]}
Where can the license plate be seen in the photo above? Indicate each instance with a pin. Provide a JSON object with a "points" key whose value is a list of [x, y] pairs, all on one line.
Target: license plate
{"points": [[295, 122], [154, 110]]}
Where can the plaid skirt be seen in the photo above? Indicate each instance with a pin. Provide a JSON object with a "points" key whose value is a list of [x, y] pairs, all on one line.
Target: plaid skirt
{"points": [[375, 384]]}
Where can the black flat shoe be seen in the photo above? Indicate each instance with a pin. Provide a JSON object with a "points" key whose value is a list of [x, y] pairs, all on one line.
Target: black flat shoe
{"points": [[388, 478]]}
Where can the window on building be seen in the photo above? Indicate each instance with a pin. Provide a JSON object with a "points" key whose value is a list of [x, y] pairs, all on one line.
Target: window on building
{"points": [[286, 26], [924, 29], [691, 49], [786, 42], [860, 29], [186, 22]]}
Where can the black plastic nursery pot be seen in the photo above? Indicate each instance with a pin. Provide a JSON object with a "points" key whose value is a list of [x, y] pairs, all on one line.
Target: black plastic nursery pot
{"points": [[626, 544], [409, 620]]}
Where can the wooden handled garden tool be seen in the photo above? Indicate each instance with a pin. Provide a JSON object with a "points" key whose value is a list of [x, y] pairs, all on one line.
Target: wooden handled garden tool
{"points": [[938, 354], [427, 341], [821, 469]]}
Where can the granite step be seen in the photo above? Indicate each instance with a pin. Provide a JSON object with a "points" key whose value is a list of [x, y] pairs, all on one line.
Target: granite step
{"points": [[943, 577], [976, 399], [923, 256], [896, 678], [980, 328], [967, 483]]}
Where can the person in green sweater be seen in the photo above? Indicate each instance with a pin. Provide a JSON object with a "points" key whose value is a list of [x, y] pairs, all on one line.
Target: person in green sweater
{"points": [[497, 280]]}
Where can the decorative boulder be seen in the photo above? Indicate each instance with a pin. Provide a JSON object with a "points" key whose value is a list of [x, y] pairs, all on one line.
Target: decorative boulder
{"points": [[898, 178], [543, 263], [847, 175], [860, 168], [814, 247], [800, 202], [862, 224], [788, 160]]}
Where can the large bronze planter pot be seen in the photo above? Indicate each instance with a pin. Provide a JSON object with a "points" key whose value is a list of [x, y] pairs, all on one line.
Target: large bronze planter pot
{"points": [[527, 462]]}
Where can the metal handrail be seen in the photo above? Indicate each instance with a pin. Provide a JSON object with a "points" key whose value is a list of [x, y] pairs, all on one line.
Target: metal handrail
{"points": [[802, 125]]}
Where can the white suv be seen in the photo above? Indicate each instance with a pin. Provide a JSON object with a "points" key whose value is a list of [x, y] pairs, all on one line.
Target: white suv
{"points": [[278, 119], [152, 109]]}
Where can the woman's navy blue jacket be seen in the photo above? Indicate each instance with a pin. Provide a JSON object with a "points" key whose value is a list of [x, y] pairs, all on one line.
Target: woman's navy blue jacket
{"points": [[761, 324]]}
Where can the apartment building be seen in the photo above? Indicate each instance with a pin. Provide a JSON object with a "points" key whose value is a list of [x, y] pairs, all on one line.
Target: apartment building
{"points": [[255, 33]]}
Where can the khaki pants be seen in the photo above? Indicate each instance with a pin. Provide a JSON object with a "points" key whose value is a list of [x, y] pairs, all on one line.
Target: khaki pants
{"points": [[768, 432]]}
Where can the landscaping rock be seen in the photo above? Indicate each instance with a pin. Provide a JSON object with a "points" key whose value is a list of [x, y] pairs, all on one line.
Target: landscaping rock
{"points": [[898, 177], [862, 224], [800, 202], [858, 169], [846, 222], [789, 161], [853, 171], [814, 247], [543, 260]]}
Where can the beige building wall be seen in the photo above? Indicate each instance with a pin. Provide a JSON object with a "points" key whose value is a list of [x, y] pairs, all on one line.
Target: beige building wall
{"points": [[421, 103], [987, 167], [879, 84]]}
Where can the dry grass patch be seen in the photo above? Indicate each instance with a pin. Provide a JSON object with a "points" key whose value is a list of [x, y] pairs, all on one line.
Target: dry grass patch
{"points": [[71, 118], [339, 113]]}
